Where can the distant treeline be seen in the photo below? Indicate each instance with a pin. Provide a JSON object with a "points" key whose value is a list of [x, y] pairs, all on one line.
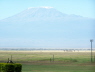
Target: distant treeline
{"points": [[33, 49]]}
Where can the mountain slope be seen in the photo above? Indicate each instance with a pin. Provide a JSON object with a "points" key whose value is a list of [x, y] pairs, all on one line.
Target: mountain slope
{"points": [[46, 27], [40, 13], [33, 14]]}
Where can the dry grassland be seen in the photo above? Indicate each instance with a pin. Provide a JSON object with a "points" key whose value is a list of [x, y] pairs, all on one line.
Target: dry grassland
{"points": [[29, 56], [42, 61]]}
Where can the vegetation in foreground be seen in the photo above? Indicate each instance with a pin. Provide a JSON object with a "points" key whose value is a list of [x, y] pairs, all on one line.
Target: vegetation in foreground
{"points": [[51, 61]]}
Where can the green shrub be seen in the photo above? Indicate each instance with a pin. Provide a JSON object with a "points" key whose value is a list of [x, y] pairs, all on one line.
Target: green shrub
{"points": [[10, 67], [18, 67], [1, 66]]}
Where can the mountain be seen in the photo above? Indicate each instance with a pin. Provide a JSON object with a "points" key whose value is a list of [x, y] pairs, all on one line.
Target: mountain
{"points": [[40, 13], [34, 14], [46, 27]]}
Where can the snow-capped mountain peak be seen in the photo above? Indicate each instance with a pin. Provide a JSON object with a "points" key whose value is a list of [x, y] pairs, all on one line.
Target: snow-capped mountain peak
{"points": [[41, 14], [41, 7], [46, 27]]}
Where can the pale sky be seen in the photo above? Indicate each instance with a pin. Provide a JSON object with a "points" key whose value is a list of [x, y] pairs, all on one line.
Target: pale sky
{"points": [[84, 8]]}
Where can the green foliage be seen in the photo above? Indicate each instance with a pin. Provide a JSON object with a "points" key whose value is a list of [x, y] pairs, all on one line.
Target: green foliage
{"points": [[10, 67], [18, 67], [1, 66]]}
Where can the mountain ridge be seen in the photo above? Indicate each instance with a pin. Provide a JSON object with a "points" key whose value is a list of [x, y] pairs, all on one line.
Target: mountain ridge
{"points": [[46, 27], [41, 13]]}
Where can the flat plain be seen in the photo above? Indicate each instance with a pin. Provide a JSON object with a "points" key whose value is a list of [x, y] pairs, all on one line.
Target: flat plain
{"points": [[51, 61]]}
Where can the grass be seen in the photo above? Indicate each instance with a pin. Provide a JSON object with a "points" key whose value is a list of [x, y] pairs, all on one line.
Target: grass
{"points": [[43, 61], [57, 68]]}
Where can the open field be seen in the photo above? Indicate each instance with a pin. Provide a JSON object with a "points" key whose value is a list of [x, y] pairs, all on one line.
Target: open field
{"points": [[51, 61]]}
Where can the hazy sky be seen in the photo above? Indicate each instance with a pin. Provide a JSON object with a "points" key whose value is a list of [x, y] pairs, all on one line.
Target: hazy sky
{"points": [[84, 8]]}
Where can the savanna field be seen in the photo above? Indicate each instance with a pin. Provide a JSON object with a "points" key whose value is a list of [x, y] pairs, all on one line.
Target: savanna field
{"points": [[51, 61]]}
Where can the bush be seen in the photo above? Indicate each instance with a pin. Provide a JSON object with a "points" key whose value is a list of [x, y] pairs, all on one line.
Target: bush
{"points": [[18, 67], [1, 66], [10, 67]]}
